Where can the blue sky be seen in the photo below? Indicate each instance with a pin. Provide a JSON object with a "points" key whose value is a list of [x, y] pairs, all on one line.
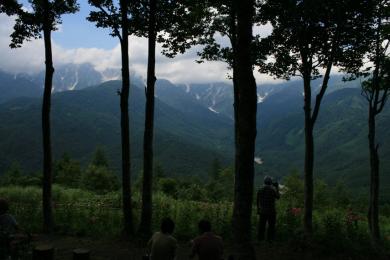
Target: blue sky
{"points": [[77, 32], [78, 41]]}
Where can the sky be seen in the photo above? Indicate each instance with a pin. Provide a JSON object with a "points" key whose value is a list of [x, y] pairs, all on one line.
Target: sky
{"points": [[79, 41]]}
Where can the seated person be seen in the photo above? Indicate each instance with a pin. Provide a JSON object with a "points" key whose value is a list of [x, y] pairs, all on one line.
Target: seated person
{"points": [[8, 223], [162, 245], [207, 246], [12, 237]]}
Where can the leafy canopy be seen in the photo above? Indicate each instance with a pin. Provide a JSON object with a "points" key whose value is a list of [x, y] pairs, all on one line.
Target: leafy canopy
{"points": [[38, 16], [310, 35]]}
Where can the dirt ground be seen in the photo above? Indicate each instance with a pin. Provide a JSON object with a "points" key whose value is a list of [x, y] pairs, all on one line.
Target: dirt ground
{"points": [[117, 249]]}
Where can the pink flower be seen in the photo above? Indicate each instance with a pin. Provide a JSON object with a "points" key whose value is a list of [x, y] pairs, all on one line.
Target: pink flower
{"points": [[296, 211]]}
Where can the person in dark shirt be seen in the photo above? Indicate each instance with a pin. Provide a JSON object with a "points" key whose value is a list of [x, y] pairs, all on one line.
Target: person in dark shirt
{"points": [[207, 246], [266, 198]]}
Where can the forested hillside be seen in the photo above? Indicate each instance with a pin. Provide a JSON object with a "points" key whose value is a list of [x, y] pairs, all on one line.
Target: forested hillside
{"points": [[194, 127]]}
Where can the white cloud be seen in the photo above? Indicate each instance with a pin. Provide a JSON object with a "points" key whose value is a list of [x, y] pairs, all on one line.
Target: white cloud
{"points": [[182, 69]]}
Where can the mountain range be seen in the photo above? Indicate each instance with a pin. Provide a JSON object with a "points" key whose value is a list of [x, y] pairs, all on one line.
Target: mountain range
{"points": [[194, 125]]}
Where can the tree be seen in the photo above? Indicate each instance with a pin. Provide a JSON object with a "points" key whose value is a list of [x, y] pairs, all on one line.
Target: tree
{"points": [[99, 179], [234, 20], [376, 90], [149, 19], [67, 172], [100, 158], [108, 15], [12, 175], [149, 11], [43, 19], [245, 104], [308, 39]]}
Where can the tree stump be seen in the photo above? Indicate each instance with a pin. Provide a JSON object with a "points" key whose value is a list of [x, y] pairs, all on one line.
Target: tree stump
{"points": [[43, 252], [81, 254]]}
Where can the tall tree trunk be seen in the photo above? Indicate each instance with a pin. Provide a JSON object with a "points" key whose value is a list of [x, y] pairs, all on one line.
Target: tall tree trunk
{"points": [[146, 214], [373, 111], [47, 157], [309, 157], [245, 85], [125, 131], [373, 212]]}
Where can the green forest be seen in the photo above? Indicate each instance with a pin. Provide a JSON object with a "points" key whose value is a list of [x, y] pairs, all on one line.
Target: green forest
{"points": [[133, 168]]}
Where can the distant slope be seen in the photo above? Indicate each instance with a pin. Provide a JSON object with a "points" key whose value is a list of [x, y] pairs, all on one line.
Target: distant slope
{"points": [[84, 119], [341, 151], [194, 125], [13, 86]]}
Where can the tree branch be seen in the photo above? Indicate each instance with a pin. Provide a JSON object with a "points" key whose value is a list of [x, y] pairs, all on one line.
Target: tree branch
{"points": [[114, 25], [383, 100], [325, 81]]}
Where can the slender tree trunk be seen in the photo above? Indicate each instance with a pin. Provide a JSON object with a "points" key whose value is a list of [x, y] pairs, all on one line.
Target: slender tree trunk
{"points": [[146, 214], [309, 158], [47, 157], [373, 110], [245, 85], [125, 131], [373, 212]]}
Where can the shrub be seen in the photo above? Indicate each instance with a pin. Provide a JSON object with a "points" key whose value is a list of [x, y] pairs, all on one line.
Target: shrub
{"points": [[99, 179]]}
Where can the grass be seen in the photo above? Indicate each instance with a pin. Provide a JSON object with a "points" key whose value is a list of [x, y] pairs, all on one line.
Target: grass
{"points": [[80, 213]]}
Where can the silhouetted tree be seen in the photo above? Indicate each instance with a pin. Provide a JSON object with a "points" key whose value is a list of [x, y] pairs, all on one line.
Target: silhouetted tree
{"points": [[245, 109], [43, 18], [117, 19], [376, 90], [151, 18], [146, 211], [234, 20], [308, 39]]}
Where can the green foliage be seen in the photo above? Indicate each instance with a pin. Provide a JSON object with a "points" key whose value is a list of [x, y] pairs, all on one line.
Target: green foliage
{"points": [[30, 24], [215, 169], [294, 190], [84, 213], [15, 176], [67, 172], [168, 186], [340, 195], [309, 35], [99, 179], [221, 186], [99, 158]]}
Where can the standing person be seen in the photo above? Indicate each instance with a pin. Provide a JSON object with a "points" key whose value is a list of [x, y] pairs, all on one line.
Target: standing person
{"points": [[207, 246], [266, 198], [162, 245]]}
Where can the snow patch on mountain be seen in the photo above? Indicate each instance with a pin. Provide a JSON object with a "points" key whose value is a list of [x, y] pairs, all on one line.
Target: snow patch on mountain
{"points": [[213, 110], [188, 88], [259, 161], [73, 87], [260, 99]]}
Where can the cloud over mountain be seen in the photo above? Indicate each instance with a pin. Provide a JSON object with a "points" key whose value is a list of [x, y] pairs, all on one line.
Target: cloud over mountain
{"points": [[182, 69]]}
